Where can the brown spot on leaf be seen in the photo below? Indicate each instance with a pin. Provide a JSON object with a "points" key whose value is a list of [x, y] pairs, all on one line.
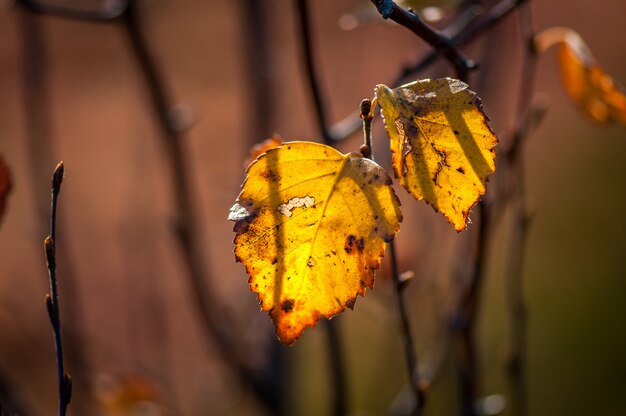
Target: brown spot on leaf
{"points": [[287, 305], [270, 175], [350, 243], [461, 170], [360, 244]]}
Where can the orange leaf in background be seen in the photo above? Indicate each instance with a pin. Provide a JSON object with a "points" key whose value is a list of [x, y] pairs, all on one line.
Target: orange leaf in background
{"points": [[5, 186], [128, 395], [594, 91], [311, 226], [260, 148], [441, 143]]}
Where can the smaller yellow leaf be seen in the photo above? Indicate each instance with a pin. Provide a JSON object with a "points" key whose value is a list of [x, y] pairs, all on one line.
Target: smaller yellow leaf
{"points": [[441, 143], [311, 226], [587, 85]]}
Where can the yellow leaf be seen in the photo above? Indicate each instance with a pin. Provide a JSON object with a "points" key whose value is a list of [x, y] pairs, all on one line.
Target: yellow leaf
{"points": [[5, 185], [442, 145], [585, 82], [311, 226]]}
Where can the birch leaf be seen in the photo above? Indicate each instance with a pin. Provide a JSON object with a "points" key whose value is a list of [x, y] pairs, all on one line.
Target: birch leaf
{"points": [[311, 226], [441, 143], [587, 85]]}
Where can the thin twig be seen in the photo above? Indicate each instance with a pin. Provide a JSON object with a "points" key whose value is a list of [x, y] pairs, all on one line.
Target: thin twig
{"points": [[482, 24], [338, 377], [216, 330], [309, 66], [410, 355], [338, 383], [440, 43], [528, 118], [52, 299], [466, 318], [40, 150], [257, 54]]}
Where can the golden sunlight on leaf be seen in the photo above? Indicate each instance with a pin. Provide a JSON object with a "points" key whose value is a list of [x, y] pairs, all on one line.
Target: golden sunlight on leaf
{"points": [[441, 142], [594, 91], [311, 226], [5, 186]]}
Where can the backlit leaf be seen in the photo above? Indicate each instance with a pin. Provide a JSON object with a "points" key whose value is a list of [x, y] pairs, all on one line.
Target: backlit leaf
{"points": [[311, 226], [585, 82], [442, 145], [5, 186]]}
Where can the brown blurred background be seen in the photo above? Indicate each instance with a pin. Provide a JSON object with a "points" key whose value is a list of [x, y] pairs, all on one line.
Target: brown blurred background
{"points": [[72, 90]]}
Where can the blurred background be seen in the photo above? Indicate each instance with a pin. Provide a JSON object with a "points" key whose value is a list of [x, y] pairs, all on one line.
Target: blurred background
{"points": [[73, 88]]}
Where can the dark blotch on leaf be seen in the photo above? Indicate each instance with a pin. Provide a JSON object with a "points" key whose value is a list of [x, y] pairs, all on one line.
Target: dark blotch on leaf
{"points": [[360, 244], [287, 305], [461, 170], [270, 175], [350, 242]]}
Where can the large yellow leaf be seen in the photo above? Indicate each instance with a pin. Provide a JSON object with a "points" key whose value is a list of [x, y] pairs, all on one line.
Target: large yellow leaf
{"points": [[442, 145], [311, 227], [585, 82]]}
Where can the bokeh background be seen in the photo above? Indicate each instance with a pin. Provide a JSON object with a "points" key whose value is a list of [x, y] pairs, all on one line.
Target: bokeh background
{"points": [[71, 90]]}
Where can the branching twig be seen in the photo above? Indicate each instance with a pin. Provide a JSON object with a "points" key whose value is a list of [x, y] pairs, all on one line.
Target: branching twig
{"points": [[52, 299], [468, 32], [440, 43]]}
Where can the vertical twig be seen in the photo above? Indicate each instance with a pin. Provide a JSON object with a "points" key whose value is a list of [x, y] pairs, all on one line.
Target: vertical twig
{"points": [[257, 56], [338, 378], [52, 299], [216, 330], [527, 118], [40, 151], [367, 115], [466, 318], [309, 66]]}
